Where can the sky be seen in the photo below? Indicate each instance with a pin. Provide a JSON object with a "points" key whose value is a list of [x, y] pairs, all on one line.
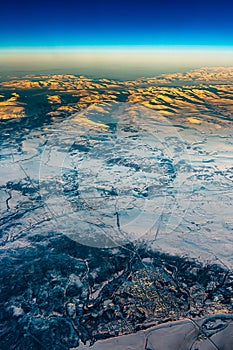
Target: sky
{"points": [[51, 23], [105, 36]]}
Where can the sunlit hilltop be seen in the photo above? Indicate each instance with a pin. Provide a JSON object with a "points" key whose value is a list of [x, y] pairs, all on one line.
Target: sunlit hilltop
{"points": [[198, 97]]}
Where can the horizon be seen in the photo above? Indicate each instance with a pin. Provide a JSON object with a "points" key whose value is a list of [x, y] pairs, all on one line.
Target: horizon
{"points": [[114, 62], [122, 40]]}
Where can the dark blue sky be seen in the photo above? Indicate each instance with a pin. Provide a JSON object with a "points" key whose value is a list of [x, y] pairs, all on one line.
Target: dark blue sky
{"points": [[29, 23]]}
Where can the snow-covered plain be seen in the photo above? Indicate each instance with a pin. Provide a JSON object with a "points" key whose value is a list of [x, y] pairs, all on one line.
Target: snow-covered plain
{"points": [[116, 209]]}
